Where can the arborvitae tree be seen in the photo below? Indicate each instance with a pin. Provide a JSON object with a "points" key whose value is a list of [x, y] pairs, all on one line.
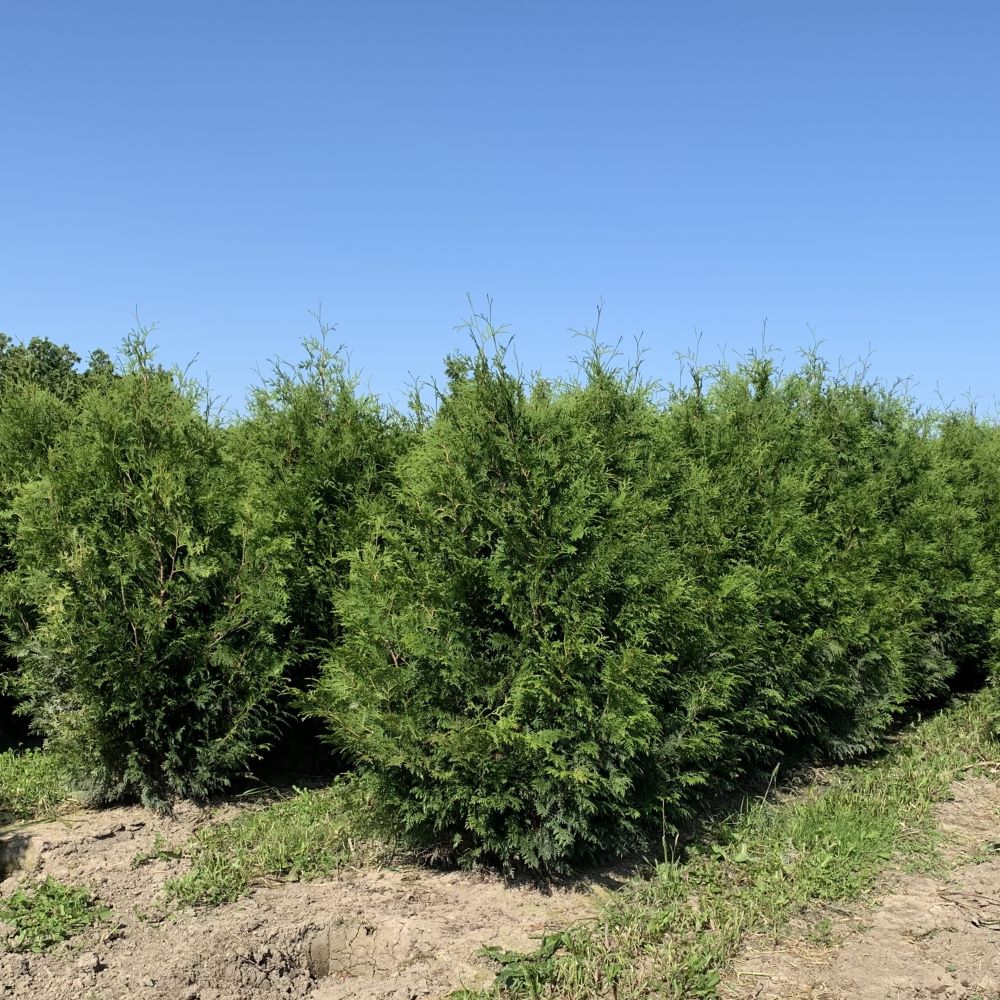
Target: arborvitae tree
{"points": [[788, 479], [497, 681], [579, 609], [535, 619], [40, 383], [965, 453], [834, 550], [315, 451], [149, 663]]}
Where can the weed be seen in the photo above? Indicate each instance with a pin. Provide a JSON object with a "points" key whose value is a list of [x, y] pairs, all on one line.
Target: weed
{"points": [[161, 851], [822, 931], [50, 913]]}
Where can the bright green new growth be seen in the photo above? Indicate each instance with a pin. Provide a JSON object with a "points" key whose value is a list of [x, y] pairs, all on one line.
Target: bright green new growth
{"points": [[147, 661], [48, 914]]}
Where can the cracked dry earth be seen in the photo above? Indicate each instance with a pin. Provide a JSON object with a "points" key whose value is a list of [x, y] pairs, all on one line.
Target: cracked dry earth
{"points": [[400, 933], [924, 938]]}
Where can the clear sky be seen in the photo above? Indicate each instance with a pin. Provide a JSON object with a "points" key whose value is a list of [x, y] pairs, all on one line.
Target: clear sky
{"points": [[224, 167]]}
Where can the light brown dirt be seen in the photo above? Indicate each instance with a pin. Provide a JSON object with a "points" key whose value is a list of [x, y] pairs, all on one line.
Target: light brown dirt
{"points": [[407, 933], [400, 933], [927, 937]]}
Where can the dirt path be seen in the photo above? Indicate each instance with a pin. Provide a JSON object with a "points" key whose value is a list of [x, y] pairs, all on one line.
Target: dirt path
{"points": [[927, 937], [394, 933]]}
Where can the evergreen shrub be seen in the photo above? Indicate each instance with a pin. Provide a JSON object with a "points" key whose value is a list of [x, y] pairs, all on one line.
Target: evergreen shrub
{"points": [[536, 618], [498, 675], [148, 664], [39, 386], [580, 608], [315, 451]]}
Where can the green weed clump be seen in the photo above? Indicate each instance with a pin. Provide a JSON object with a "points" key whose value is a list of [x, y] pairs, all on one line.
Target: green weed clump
{"points": [[49, 914], [147, 660]]}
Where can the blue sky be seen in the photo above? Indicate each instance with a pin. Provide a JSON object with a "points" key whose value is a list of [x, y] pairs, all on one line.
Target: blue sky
{"points": [[700, 167]]}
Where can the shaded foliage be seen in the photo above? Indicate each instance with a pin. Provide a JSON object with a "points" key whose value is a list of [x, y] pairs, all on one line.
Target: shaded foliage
{"points": [[315, 451]]}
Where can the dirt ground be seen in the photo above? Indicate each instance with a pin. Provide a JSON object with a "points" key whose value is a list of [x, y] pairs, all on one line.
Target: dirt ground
{"points": [[398, 933], [924, 937], [406, 933]]}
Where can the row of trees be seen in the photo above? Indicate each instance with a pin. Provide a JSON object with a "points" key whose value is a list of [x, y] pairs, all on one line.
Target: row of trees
{"points": [[531, 616]]}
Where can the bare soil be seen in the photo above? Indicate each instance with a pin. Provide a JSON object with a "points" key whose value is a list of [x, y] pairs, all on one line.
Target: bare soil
{"points": [[925, 937], [399, 933], [405, 933]]}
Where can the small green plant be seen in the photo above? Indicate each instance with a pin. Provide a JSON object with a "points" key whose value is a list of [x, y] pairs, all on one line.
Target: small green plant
{"points": [[32, 783], [48, 914], [822, 932], [517, 970], [161, 851]]}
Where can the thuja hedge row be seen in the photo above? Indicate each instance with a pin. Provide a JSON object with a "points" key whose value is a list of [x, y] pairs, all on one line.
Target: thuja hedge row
{"points": [[533, 617]]}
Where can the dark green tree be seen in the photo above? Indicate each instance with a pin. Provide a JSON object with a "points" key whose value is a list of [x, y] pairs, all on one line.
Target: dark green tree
{"points": [[316, 451], [498, 677], [40, 383], [148, 661]]}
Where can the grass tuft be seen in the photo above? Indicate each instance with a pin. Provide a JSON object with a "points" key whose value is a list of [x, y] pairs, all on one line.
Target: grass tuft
{"points": [[32, 784], [307, 835]]}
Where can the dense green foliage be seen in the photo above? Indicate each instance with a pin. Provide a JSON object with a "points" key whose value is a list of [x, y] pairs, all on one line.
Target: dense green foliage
{"points": [[314, 452], [49, 914], [580, 606], [500, 670], [536, 619], [39, 386], [148, 662]]}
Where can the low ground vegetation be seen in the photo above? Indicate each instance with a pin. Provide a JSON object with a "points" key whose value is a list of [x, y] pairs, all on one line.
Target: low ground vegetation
{"points": [[308, 834], [32, 785], [40, 918]]}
